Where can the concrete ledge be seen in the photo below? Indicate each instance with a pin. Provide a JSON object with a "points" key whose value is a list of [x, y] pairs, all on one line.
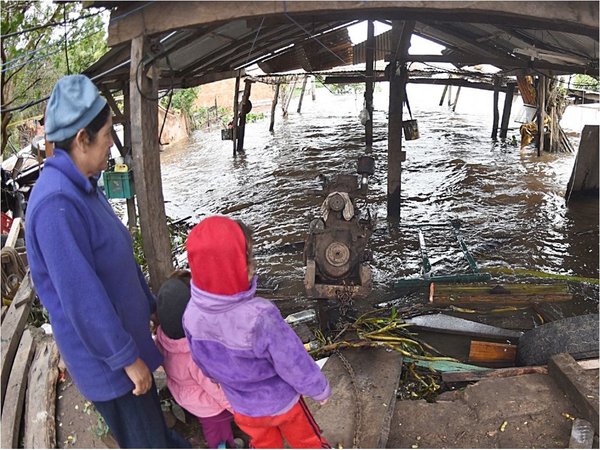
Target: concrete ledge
{"points": [[570, 377], [377, 374]]}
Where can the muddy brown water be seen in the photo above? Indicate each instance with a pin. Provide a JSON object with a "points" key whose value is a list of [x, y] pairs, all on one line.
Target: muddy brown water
{"points": [[510, 202]]}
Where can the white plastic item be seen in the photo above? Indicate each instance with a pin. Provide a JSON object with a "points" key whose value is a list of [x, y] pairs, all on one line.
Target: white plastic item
{"points": [[301, 317]]}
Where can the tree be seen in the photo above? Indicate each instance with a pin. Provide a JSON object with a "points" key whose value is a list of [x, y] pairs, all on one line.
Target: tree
{"points": [[41, 42], [587, 82]]}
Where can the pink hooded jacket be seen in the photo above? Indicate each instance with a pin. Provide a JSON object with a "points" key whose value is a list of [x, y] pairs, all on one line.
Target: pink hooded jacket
{"points": [[190, 388]]}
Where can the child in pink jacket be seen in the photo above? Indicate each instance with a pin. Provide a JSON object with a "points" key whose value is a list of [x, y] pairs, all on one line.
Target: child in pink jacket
{"points": [[190, 388]]}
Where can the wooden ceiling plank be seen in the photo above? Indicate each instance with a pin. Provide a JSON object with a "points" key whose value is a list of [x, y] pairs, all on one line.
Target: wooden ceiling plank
{"points": [[579, 17]]}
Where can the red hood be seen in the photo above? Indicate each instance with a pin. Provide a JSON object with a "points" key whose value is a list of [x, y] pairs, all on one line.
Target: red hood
{"points": [[216, 250]]}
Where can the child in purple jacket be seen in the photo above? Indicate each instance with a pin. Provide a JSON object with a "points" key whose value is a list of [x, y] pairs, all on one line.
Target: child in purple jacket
{"points": [[242, 342]]}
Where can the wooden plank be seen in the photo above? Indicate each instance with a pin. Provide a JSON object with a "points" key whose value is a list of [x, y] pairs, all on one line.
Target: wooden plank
{"points": [[146, 165], [131, 20], [14, 233], [13, 326], [569, 376], [40, 404], [12, 407], [507, 288], [369, 63], [401, 34], [482, 351], [4, 309], [500, 299], [458, 377], [481, 374], [589, 364]]}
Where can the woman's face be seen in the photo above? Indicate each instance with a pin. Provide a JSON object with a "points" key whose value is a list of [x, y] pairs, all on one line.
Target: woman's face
{"points": [[99, 148], [91, 157]]}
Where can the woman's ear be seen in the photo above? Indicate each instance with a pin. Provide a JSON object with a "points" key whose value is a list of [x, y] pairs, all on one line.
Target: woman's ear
{"points": [[82, 138]]}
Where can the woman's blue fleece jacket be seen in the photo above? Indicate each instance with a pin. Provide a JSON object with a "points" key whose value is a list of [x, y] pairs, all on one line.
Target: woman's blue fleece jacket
{"points": [[83, 269]]}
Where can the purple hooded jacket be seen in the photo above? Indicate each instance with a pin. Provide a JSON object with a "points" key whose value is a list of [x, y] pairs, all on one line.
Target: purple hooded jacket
{"points": [[242, 342]]}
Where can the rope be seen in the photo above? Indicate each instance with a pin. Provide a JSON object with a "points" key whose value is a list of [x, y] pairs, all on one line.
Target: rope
{"points": [[13, 272], [254, 41]]}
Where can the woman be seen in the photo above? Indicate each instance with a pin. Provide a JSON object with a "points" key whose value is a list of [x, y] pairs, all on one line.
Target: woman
{"points": [[83, 268]]}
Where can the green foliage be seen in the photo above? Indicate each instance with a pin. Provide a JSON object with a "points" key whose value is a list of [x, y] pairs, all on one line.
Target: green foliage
{"points": [[341, 89], [204, 116], [588, 82], [253, 117], [183, 100], [33, 52]]}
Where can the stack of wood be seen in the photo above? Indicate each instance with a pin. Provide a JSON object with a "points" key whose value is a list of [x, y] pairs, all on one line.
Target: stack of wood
{"points": [[554, 106], [29, 374], [14, 262]]}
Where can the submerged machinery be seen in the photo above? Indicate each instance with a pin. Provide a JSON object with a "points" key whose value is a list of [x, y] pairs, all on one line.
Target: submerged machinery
{"points": [[335, 251]]}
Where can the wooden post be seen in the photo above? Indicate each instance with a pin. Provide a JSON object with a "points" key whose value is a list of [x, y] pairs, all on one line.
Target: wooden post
{"points": [[449, 95], [456, 99], [302, 93], [146, 164], [401, 33], [443, 95], [242, 113], [131, 211], [495, 107], [313, 83], [541, 113], [370, 51], [289, 98], [273, 106], [508, 99], [236, 106]]}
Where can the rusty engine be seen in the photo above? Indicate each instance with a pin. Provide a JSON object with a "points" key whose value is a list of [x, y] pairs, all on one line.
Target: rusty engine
{"points": [[335, 251]]}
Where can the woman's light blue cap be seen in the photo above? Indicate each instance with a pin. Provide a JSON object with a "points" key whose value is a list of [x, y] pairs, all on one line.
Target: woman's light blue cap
{"points": [[74, 103]]}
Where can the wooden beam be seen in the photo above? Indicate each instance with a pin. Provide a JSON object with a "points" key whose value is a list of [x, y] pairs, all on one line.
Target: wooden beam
{"points": [[302, 93], [12, 328], [244, 111], [508, 100], [401, 32], [15, 394], [565, 371], [236, 111], [273, 107], [370, 53], [130, 20], [492, 352], [126, 152], [541, 113], [496, 113], [40, 405], [146, 165]]}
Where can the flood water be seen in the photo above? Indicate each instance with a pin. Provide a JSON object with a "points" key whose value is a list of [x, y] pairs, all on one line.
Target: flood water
{"points": [[510, 202]]}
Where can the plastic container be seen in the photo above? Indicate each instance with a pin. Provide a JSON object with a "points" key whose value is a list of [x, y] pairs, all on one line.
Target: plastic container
{"points": [[301, 317], [582, 434], [411, 129], [118, 184], [526, 114]]}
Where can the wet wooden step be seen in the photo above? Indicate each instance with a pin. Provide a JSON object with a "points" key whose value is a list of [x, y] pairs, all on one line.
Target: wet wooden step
{"points": [[377, 374]]}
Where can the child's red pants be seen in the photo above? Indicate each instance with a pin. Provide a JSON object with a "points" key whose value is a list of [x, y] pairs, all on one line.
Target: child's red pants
{"points": [[296, 426]]}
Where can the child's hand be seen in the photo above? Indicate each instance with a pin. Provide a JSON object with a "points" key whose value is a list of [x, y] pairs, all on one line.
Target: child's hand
{"points": [[322, 402]]}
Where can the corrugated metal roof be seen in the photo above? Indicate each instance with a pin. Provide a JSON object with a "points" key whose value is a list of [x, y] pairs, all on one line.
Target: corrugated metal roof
{"points": [[200, 54]]}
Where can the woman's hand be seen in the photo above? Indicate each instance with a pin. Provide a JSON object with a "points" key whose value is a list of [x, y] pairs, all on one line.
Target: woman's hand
{"points": [[139, 373]]}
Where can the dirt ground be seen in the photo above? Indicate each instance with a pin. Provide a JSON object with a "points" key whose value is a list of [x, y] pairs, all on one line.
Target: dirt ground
{"points": [[78, 425]]}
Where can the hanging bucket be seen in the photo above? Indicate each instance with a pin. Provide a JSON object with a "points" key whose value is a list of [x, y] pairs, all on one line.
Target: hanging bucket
{"points": [[411, 129]]}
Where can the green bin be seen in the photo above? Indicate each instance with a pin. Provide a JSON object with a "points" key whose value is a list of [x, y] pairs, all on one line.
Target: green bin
{"points": [[118, 184]]}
